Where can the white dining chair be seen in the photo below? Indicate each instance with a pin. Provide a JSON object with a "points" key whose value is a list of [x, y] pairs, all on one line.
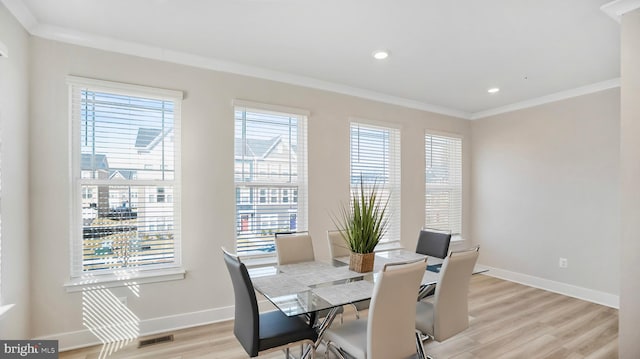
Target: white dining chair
{"points": [[294, 248], [389, 330], [337, 245], [447, 313]]}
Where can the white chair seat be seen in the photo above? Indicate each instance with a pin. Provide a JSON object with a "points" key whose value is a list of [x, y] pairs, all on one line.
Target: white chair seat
{"points": [[351, 337]]}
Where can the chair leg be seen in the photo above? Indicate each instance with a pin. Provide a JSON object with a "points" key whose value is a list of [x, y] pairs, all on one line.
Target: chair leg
{"points": [[420, 346], [334, 349], [420, 339], [309, 349]]}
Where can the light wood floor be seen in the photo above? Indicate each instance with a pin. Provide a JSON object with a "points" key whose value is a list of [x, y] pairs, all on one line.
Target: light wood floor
{"points": [[508, 320]]}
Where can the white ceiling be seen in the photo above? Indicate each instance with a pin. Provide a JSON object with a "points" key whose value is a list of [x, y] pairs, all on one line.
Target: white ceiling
{"points": [[444, 54]]}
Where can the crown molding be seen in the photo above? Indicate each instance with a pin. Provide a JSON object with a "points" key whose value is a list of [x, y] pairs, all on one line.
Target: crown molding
{"points": [[151, 52], [558, 96], [21, 13], [617, 8], [31, 24]]}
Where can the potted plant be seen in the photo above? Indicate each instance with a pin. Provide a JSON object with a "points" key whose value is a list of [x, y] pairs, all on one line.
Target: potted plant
{"points": [[362, 224]]}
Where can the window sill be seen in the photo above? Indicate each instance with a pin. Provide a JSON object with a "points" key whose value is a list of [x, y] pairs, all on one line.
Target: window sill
{"points": [[387, 246], [4, 309], [259, 260], [123, 279]]}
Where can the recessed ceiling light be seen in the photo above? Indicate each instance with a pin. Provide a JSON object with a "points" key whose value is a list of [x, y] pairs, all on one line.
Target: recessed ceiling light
{"points": [[493, 90], [381, 54]]}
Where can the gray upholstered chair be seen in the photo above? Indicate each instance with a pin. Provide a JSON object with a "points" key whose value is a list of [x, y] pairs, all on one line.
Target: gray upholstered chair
{"points": [[389, 331], [261, 332], [447, 314], [433, 243], [294, 248]]}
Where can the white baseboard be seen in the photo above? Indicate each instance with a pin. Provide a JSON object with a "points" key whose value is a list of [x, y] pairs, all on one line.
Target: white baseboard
{"points": [[590, 295], [85, 338]]}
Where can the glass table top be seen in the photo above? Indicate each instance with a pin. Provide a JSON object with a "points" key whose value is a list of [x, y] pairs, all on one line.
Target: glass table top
{"points": [[313, 286]]}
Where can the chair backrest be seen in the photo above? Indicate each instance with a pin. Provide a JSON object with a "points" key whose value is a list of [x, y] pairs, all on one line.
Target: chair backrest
{"points": [[451, 300], [246, 326], [392, 313], [433, 243], [294, 248], [337, 245]]}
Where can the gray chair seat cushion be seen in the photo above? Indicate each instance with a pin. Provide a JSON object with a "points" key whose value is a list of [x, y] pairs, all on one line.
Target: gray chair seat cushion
{"points": [[424, 317], [351, 336], [277, 329]]}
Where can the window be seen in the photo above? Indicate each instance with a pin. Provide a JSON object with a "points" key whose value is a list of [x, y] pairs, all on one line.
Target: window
{"points": [[443, 202], [271, 163], [375, 158], [160, 195], [126, 177], [86, 193]]}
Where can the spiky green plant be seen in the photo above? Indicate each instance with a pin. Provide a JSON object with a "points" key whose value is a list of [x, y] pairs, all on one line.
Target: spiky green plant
{"points": [[363, 222]]}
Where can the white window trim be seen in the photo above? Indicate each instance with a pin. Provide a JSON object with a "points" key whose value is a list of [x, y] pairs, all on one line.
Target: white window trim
{"points": [[393, 126], [458, 237], [276, 109], [123, 277], [302, 156]]}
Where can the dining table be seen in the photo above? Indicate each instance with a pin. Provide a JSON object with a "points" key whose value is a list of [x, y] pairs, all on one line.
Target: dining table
{"points": [[310, 288]]}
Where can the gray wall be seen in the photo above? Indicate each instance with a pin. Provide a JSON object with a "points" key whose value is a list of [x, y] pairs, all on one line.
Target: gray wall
{"points": [[208, 190], [14, 125], [630, 186], [545, 185]]}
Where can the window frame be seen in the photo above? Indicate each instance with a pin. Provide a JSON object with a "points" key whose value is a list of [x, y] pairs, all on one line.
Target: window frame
{"points": [[263, 192], [147, 273], [394, 233], [456, 235]]}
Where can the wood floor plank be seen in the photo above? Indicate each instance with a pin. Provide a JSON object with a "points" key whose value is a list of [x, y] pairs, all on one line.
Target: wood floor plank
{"points": [[539, 347], [508, 320]]}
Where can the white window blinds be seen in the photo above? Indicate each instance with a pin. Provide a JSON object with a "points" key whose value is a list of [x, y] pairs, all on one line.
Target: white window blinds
{"points": [[443, 202], [375, 158], [270, 175], [126, 175]]}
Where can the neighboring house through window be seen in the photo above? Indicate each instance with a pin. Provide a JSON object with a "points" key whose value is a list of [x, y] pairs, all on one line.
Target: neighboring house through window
{"points": [[443, 202], [126, 177], [270, 165], [375, 159]]}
